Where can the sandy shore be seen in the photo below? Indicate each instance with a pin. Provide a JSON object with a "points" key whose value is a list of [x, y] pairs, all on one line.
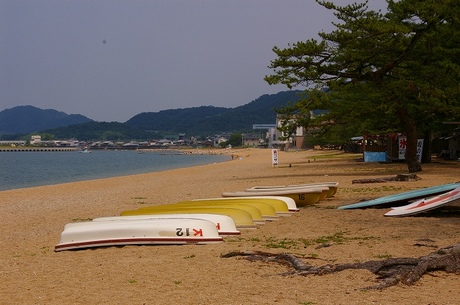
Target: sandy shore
{"points": [[32, 219]]}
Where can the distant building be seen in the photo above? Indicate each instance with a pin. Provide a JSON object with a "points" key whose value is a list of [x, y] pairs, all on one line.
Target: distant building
{"points": [[217, 140], [278, 139], [35, 139], [251, 140]]}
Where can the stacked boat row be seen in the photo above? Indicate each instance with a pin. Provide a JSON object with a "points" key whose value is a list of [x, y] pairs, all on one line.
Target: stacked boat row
{"points": [[199, 221]]}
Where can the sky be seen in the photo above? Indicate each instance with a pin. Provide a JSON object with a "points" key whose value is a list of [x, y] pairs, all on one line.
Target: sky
{"points": [[112, 59]]}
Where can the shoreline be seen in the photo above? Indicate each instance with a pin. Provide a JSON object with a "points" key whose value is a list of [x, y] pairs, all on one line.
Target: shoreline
{"points": [[32, 219]]}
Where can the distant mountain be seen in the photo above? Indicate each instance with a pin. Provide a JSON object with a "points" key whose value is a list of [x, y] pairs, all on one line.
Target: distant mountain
{"points": [[194, 121], [174, 119], [211, 120], [28, 119]]}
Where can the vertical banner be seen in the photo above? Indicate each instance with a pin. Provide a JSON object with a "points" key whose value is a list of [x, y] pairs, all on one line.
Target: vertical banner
{"points": [[419, 150], [274, 157], [402, 148]]}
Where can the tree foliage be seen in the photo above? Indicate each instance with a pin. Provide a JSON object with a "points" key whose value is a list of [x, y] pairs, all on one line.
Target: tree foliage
{"points": [[379, 72]]}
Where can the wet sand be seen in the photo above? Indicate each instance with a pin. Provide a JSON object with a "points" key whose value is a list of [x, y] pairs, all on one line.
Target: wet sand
{"points": [[32, 219]]}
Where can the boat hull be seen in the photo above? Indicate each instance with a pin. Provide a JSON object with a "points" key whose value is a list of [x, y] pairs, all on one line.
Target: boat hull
{"points": [[290, 203], [171, 231], [224, 224], [279, 205], [425, 205], [301, 196], [255, 213], [331, 191], [402, 198], [267, 211], [242, 219], [323, 195]]}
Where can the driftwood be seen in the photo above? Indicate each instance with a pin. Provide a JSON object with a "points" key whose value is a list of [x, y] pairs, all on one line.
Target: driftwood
{"points": [[389, 272], [398, 177]]}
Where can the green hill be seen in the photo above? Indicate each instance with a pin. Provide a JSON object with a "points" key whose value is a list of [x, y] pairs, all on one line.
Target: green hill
{"points": [[196, 121], [209, 120]]}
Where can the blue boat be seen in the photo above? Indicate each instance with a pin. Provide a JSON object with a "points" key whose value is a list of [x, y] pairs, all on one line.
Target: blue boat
{"points": [[402, 198]]}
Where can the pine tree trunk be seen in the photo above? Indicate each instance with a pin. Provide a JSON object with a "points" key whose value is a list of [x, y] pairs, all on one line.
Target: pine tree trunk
{"points": [[410, 128], [426, 153]]}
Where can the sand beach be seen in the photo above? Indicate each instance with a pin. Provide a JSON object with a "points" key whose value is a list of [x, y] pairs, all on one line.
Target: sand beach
{"points": [[32, 219]]}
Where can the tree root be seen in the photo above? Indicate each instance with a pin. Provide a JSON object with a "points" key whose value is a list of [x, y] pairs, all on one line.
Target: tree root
{"points": [[389, 272]]}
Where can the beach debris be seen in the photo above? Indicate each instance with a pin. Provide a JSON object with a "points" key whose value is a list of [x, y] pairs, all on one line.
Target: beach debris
{"points": [[389, 272]]}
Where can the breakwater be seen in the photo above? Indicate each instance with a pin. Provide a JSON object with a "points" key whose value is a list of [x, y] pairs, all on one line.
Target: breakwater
{"points": [[36, 149]]}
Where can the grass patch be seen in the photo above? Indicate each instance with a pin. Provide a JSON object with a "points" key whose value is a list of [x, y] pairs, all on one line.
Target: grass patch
{"points": [[81, 219], [45, 249], [283, 243], [294, 244], [334, 155]]}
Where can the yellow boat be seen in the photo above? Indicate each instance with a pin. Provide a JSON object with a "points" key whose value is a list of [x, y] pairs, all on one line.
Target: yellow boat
{"points": [[242, 219], [268, 211], [279, 205], [244, 216], [301, 196]]}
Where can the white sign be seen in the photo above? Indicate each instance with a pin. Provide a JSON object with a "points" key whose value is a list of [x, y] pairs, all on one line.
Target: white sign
{"points": [[403, 145], [274, 157]]}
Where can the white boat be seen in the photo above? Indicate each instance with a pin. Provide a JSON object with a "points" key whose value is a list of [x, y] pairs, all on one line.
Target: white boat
{"points": [[332, 186], [224, 224], [168, 231], [324, 189], [424, 205]]}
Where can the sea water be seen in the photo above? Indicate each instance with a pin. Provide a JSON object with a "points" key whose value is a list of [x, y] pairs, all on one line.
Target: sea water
{"points": [[27, 169]]}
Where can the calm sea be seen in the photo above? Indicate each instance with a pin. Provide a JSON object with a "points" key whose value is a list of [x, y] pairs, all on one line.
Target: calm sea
{"points": [[27, 169]]}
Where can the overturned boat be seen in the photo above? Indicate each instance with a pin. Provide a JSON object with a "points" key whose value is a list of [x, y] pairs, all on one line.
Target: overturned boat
{"points": [[301, 196], [168, 231], [224, 224], [284, 206], [332, 187], [242, 218]]}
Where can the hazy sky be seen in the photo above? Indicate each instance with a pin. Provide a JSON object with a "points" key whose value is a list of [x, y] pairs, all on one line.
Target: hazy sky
{"points": [[111, 59]]}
